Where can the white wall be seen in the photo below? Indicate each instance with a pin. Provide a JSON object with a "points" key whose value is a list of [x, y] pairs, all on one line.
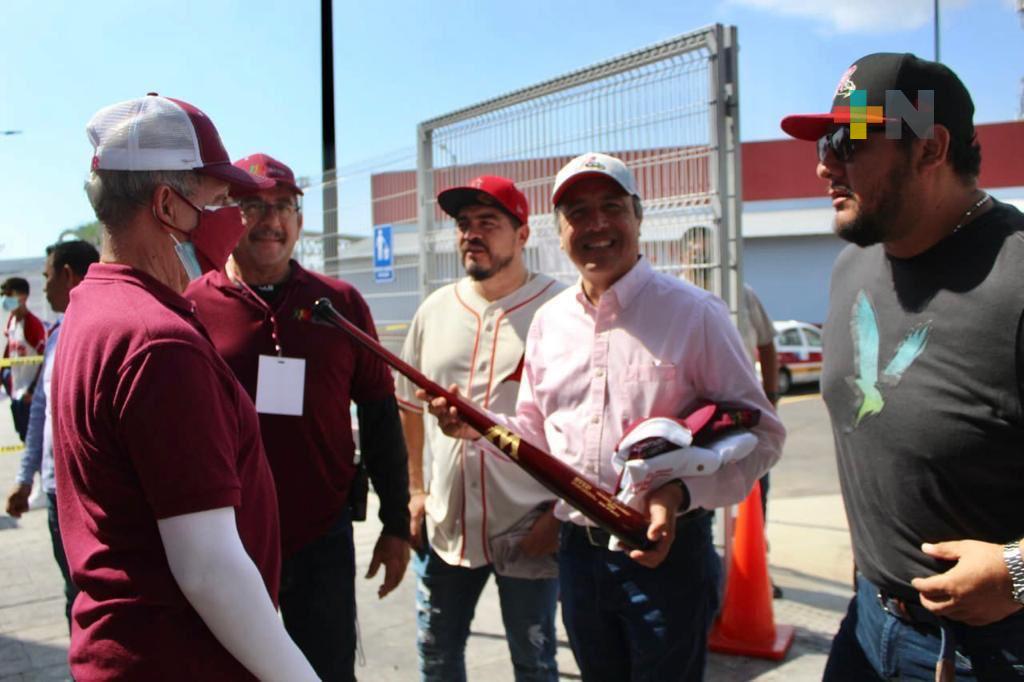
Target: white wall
{"points": [[791, 274]]}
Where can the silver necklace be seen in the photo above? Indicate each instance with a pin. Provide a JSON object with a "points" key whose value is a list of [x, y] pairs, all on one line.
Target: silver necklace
{"points": [[969, 212]]}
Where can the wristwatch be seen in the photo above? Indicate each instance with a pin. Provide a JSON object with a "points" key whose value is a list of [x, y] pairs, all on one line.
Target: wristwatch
{"points": [[1015, 565]]}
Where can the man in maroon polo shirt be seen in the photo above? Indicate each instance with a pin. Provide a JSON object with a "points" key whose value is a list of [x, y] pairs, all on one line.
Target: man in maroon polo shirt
{"points": [[166, 501], [302, 376]]}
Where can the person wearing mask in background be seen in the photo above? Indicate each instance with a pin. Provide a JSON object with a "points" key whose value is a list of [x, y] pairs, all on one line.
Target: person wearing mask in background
{"points": [[26, 337]]}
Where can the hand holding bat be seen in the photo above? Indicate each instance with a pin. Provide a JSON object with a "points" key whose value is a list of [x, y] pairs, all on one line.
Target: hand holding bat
{"points": [[448, 415], [661, 507], [595, 503], [460, 418]]}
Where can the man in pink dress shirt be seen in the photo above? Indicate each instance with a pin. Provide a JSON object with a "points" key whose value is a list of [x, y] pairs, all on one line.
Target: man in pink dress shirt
{"points": [[627, 343]]}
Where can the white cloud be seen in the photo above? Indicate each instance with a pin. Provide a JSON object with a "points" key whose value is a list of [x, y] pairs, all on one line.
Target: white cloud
{"points": [[860, 16]]}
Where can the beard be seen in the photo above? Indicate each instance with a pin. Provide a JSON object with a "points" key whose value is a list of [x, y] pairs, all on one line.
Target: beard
{"points": [[479, 273], [881, 223]]}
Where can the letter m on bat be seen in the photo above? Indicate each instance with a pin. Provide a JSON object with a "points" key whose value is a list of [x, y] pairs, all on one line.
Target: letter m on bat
{"points": [[505, 440]]}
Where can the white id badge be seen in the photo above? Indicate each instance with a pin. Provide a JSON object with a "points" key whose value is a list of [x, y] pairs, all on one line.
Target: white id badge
{"points": [[280, 385]]}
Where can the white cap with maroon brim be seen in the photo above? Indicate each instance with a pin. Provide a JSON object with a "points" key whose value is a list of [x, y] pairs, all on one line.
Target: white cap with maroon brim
{"points": [[589, 165], [155, 133]]}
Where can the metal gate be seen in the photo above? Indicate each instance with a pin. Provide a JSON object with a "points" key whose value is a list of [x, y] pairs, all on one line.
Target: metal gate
{"points": [[670, 111], [374, 191]]}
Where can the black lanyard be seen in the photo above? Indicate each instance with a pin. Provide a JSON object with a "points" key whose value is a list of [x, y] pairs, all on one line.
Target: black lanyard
{"points": [[274, 333]]}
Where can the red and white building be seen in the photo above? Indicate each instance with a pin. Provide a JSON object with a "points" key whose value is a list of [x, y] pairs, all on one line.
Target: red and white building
{"points": [[788, 245]]}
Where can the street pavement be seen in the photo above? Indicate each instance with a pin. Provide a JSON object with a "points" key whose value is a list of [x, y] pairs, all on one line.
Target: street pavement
{"points": [[810, 560], [33, 631]]}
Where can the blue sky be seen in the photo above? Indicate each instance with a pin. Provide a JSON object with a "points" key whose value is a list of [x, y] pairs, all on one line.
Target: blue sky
{"points": [[254, 67]]}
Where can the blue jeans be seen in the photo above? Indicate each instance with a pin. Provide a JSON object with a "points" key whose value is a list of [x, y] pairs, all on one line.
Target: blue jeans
{"points": [[446, 598], [70, 591], [629, 622], [318, 602], [875, 645]]}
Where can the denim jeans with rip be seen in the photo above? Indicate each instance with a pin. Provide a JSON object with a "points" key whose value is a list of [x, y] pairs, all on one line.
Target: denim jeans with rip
{"points": [[629, 622], [446, 599]]}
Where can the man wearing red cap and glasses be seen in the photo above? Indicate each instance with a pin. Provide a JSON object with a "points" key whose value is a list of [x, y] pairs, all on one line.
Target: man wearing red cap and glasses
{"points": [[166, 501], [480, 514], [929, 434], [258, 313]]}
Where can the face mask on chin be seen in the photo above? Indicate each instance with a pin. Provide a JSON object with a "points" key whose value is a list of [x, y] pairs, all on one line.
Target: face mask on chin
{"points": [[186, 252], [212, 240]]}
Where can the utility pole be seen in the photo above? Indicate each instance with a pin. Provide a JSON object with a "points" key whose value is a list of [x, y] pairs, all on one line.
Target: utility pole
{"points": [[1020, 12], [330, 186], [936, 5]]}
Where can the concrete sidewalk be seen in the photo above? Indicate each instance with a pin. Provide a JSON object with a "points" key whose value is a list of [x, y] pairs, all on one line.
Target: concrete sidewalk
{"points": [[33, 631], [810, 559]]}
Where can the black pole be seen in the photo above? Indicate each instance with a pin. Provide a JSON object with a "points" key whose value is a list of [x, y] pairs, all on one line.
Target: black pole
{"points": [[330, 243]]}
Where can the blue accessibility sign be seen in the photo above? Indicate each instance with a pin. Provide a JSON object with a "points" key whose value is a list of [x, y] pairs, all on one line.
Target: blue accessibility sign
{"points": [[383, 255]]}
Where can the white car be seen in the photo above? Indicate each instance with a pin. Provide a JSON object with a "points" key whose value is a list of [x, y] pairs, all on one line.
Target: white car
{"points": [[798, 345]]}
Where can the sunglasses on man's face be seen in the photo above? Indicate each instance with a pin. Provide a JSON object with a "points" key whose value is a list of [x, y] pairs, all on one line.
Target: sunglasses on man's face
{"points": [[839, 142]]}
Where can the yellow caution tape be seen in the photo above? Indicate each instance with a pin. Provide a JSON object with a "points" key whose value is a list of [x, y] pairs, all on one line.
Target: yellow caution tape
{"points": [[8, 449], [31, 360]]}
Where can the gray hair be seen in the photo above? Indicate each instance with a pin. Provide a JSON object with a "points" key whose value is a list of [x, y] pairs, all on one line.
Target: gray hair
{"points": [[116, 195], [638, 211]]}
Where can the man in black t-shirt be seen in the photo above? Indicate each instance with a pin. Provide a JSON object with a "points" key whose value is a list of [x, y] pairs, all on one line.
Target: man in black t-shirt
{"points": [[924, 358]]}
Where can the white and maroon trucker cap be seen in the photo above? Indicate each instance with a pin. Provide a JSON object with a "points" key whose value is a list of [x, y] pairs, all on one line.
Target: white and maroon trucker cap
{"points": [[155, 133]]}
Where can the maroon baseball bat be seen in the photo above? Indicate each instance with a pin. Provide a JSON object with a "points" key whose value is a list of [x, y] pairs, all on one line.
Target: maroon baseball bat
{"points": [[627, 524]]}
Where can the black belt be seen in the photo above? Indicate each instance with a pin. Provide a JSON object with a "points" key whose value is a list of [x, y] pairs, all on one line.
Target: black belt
{"points": [[907, 611], [599, 537], [918, 616]]}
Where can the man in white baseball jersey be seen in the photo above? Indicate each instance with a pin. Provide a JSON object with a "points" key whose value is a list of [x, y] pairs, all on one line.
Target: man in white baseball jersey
{"points": [[483, 513]]}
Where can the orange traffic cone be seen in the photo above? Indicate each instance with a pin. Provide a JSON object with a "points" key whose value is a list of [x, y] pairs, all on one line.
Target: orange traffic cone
{"points": [[746, 623]]}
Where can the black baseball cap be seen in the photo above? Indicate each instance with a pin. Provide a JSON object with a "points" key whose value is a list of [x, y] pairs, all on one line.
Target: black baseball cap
{"points": [[883, 71]]}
